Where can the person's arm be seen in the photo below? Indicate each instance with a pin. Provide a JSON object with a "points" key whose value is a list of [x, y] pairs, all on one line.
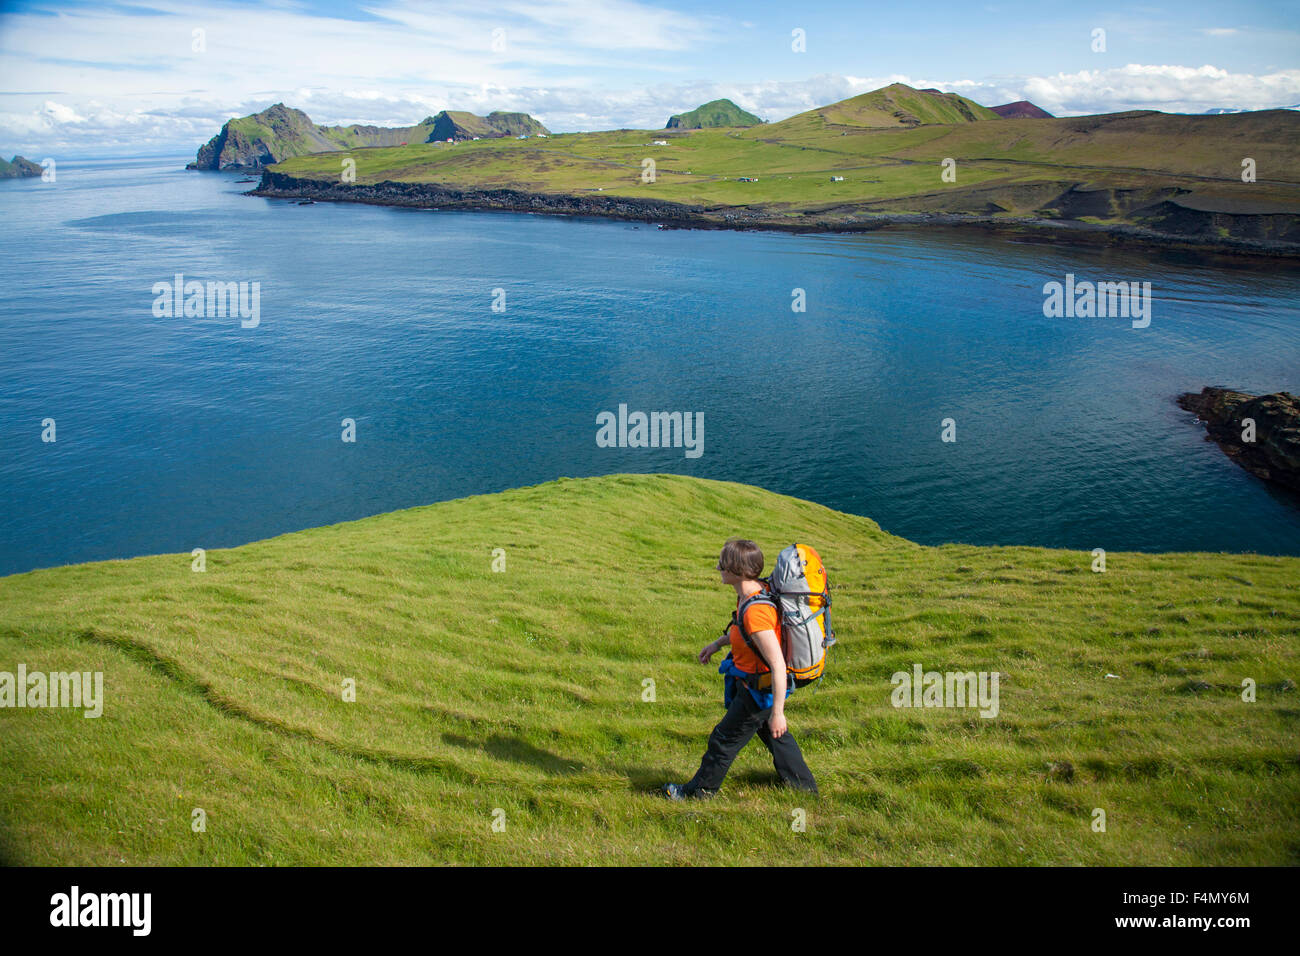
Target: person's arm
{"points": [[770, 648], [713, 647]]}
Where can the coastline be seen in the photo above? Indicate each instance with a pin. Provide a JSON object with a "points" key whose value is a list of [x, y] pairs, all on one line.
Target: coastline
{"points": [[671, 215]]}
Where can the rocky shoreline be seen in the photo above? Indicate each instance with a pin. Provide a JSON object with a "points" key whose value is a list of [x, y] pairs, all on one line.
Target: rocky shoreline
{"points": [[1260, 433], [680, 216]]}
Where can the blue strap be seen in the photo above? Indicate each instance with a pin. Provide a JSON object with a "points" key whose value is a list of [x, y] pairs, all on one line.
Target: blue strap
{"points": [[732, 675]]}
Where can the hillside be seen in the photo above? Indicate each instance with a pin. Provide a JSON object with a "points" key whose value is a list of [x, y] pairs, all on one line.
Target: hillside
{"points": [[891, 107], [459, 125], [18, 168], [874, 160], [713, 114], [281, 132], [523, 691]]}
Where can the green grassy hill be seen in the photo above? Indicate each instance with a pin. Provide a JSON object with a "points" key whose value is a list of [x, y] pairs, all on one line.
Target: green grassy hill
{"points": [[523, 691], [891, 107], [711, 114]]}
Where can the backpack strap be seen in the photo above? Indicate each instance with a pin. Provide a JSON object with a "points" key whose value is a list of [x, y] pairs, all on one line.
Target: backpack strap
{"points": [[738, 619], [738, 615]]}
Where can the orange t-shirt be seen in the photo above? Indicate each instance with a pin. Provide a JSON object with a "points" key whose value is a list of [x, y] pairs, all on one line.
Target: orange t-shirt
{"points": [[758, 617]]}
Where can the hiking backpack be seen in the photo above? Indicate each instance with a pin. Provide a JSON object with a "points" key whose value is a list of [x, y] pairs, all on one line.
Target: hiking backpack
{"points": [[800, 591]]}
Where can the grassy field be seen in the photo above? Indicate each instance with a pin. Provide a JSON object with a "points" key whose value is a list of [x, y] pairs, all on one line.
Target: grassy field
{"points": [[1004, 168], [522, 691]]}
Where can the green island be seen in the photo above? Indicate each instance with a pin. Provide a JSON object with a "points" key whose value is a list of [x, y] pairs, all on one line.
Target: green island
{"points": [[519, 696], [19, 168], [1229, 181]]}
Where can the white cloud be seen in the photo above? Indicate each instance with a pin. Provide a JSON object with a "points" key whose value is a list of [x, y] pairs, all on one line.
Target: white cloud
{"points": [[58, 113], [1173, 89], [132, 83], [182, 123]]}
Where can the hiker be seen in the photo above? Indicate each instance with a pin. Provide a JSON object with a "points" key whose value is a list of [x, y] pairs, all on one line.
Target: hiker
{"points": [[753, 693]]}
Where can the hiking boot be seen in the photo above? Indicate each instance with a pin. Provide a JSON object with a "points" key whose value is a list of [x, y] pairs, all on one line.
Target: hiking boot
{"points": [[678, 791]]}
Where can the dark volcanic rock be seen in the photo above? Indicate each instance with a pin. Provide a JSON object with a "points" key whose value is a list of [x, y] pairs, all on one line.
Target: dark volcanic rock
{"points": [[435, 196], [1177, 219], [1274, 455]]}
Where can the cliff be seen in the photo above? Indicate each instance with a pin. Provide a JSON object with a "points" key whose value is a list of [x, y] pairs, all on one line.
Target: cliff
{"points": [[281, 132]]}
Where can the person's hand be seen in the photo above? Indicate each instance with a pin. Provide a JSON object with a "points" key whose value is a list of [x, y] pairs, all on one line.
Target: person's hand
{"points": [[777, 724], [709, 650]]}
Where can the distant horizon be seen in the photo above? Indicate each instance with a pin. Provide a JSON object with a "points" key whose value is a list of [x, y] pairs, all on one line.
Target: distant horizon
{"points": [[114, 78], [187, 154]]}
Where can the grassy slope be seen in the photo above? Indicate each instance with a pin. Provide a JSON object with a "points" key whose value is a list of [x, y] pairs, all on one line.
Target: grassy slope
{"points": [[887, 167], [522, 690], [894, 106]]}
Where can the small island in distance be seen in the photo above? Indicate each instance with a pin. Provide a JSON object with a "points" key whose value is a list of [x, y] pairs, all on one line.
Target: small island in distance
{"points": [[18, 168]]}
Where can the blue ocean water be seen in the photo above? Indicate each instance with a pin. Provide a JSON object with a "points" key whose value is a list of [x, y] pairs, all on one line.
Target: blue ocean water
{"points": [[175, 432]]}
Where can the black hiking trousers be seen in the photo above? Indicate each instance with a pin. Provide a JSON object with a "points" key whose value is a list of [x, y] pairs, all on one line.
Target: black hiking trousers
{"points": [[743, 720]]}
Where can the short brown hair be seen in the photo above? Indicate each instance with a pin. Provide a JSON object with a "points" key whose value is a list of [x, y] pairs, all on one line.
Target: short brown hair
{"points": [[742, 558]]}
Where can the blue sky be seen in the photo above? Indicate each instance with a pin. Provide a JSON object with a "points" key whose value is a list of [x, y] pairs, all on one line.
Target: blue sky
{"points": [[114, 78]]}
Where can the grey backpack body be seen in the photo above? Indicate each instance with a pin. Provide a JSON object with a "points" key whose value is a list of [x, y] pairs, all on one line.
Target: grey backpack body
{"points": [[799, 590]]}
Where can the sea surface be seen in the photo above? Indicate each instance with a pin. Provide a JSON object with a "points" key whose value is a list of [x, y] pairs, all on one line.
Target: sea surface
{"points": [[175, 432]]}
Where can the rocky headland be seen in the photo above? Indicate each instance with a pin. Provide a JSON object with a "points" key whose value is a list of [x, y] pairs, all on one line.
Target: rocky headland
{"points": [[1261, 433]]}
